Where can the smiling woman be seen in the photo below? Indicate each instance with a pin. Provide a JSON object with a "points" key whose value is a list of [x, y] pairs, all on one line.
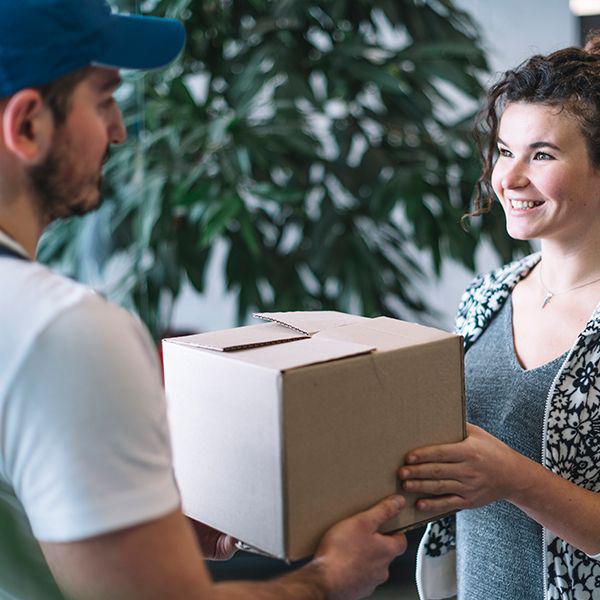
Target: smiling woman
{"points": [[543, 176], [532, 342]]}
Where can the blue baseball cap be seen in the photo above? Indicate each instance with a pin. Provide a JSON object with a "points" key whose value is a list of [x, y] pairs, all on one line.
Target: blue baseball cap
{"points": [[42, 40]]}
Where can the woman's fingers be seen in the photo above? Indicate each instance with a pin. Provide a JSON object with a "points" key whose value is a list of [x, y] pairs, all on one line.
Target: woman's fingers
{"points": [[436, 487], [441, 504], [448, 453], [433, 471], [444, 453]]}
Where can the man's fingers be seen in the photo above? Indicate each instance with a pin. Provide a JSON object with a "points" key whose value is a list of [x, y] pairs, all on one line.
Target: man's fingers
{"points": [[398, 542], [230, 545], [384, 511], [226, 547]]}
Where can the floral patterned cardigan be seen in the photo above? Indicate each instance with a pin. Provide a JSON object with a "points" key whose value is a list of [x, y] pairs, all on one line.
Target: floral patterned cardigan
{"points": [[570, 446]]}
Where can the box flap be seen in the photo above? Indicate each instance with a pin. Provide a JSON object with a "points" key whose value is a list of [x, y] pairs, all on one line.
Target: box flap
{"points": [[413, 331], [302, 353], [385, 334], [240, 338], [361, 334], [310, 322]]}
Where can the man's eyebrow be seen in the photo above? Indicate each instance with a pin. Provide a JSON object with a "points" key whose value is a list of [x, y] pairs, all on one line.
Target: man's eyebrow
{"points": [[110, 84], [534, 145]]}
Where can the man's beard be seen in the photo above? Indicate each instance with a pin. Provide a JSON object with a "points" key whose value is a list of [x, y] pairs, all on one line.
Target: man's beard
{"points": [[58, 194]]}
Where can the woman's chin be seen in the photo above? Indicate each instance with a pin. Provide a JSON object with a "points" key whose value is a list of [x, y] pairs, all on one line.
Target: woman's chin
{"points": [[520, 233]]}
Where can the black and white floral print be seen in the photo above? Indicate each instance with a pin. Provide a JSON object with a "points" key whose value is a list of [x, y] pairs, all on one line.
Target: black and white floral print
{"points": [[585, 377], [572, 431], [440, 537]]}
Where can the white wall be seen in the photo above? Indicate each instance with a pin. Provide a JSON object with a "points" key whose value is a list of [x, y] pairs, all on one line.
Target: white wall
{"points": [[515, 29], [512, 30]]}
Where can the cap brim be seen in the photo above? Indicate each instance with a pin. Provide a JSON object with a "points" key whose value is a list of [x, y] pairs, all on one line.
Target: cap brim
{"points": [[134, 42]]}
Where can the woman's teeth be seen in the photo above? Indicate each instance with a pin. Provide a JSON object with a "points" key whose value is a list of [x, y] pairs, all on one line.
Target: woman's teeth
{"points": [[525, 204]]}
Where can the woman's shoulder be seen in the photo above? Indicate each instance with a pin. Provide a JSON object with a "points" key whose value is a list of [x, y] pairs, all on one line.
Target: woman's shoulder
{"points": [[504, 277], [486, 294]]}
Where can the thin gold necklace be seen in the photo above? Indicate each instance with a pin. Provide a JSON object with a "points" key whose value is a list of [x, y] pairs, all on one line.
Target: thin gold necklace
{"points": [[550, 294]]}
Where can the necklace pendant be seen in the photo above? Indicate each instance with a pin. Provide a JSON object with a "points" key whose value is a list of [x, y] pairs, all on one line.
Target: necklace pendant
{"points": [[547, 299]]}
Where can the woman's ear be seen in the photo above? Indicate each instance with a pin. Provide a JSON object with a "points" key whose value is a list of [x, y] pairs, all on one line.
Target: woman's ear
{"points": [[27, 126]]}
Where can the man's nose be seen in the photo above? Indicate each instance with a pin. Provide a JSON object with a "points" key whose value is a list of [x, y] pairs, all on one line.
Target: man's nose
{"points": [[117, 131]]}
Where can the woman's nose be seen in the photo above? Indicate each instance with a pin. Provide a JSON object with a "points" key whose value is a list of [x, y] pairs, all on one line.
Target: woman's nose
{"points": [[514, 178]]}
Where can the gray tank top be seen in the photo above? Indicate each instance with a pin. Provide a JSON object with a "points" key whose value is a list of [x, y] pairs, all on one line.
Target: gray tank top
{"points": [[499, 548]]}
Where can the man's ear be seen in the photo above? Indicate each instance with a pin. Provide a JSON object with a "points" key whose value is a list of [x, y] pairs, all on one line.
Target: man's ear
{"points": [[27, 126]]}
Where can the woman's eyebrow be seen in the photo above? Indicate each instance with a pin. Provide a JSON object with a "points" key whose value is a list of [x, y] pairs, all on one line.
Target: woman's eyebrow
{"points": [[543, 144], [540, 144]]}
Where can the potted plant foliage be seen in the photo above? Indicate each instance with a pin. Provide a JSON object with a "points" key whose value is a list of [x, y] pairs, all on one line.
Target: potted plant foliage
{"points": [[325, 143]]}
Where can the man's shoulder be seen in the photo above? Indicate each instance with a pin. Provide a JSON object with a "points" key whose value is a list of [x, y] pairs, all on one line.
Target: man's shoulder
{"points": [[36, 302], [30, 287], [32, 297]]}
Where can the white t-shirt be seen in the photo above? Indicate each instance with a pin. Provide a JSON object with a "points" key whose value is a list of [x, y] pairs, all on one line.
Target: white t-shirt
{"points": [[84, 444]]}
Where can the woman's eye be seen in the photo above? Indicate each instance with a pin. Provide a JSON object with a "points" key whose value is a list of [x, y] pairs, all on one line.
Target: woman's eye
{"points": [[504, 152], [543, 156]]}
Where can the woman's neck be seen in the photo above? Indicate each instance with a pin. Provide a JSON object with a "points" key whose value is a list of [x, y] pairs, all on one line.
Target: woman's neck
{"points": [[565, 266]]}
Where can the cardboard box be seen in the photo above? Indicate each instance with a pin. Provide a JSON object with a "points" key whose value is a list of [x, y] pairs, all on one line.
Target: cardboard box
{"points": [[279, 430]]}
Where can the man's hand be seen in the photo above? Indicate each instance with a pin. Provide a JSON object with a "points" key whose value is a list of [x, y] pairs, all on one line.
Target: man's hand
{"points": [[467, 474], [354, 557], [214, 544]]}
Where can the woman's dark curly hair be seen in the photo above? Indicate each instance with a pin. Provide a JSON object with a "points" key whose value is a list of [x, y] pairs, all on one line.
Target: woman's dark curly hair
{"points": [[568, 79]]}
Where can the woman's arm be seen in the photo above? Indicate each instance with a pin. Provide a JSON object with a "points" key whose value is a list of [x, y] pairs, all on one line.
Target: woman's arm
{"points": [[482, 469]]}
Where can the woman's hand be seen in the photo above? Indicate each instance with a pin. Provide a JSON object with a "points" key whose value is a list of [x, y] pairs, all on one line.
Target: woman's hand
{"points": [[482, 469], [466, 474]]}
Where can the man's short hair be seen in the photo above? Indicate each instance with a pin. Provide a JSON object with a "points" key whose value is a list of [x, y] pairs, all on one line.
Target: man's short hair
{"points": [[58, 94]]}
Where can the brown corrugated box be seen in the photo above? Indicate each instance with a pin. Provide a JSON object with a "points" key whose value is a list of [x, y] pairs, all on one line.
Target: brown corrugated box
{"points": [[281, 429]]}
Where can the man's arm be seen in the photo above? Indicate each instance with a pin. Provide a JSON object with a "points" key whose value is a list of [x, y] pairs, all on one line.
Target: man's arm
{"points": [[161, 559], [158, 559]]}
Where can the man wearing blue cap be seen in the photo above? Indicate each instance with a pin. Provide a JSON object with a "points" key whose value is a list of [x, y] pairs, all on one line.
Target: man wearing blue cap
{"points": [[86, 486]]}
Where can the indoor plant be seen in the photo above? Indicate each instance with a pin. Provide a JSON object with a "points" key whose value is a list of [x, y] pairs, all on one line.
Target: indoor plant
{"points": [[323, 141]]}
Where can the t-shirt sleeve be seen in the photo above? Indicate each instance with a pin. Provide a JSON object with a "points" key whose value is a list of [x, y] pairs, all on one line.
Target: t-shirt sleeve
{"points": [[86, 444]]}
